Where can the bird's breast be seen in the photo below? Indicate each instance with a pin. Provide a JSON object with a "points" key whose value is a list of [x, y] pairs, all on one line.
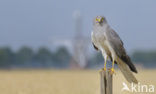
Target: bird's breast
{"points": [[101, 42]]}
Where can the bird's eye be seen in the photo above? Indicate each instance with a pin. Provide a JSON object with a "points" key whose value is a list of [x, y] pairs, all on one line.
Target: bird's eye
{"points": [[102, 19], [96, 19]]}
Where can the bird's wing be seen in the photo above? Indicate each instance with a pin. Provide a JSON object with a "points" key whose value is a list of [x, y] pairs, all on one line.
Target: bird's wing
{"points": [[117, 44], [122, 58], [95, 46], [93, 41]]}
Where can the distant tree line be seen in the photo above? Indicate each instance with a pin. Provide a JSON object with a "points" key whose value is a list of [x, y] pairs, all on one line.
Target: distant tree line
{"points": [[145, 58], [60, 58], [26, 57]]}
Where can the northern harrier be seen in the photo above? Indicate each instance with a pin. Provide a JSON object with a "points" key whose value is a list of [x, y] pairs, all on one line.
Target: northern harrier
{"points": [[105, 39]]}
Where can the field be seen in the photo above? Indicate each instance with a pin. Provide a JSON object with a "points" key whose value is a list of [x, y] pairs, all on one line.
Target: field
{"points": [[63, 81]]}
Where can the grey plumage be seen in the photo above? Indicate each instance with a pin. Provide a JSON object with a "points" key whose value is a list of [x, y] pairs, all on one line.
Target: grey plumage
{"points": [[109, 43]]}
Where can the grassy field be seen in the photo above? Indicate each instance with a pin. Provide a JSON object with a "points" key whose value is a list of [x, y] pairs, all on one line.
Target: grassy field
{"points": [[63, 81]]}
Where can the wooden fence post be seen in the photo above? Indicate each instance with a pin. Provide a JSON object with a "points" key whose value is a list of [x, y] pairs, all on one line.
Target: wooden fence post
{"points": [[106, 82]]}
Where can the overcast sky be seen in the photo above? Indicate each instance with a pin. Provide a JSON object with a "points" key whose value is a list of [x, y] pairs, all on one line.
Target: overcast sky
{"points": [[36, 22]]}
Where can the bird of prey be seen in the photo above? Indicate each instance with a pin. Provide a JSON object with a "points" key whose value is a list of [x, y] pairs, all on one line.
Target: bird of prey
{"points": [[106, 40]]}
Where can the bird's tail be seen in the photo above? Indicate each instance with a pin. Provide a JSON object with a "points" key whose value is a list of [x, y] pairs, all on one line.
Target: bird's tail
{"points": [[126, 71]]}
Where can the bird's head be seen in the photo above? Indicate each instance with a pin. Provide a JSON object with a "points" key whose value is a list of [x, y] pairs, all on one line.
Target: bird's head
{"points": [[100, 20]]}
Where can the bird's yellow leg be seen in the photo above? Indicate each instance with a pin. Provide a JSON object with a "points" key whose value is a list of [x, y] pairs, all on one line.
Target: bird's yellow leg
{"points": [[112, 69], [105, 63]]}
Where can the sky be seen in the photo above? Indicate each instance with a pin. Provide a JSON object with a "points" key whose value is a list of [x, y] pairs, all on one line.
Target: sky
{"points": [[38, 23]]}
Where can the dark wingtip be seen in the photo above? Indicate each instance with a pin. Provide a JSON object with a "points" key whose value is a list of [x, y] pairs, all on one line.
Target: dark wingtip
{"points": [[133, 69]]}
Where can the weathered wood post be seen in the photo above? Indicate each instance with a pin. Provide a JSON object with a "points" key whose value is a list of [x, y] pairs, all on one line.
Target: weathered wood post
{"points": [[106, 82]]}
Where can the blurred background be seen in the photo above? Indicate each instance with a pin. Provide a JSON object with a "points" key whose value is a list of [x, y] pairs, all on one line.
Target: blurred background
{"points": [[52, 38]]}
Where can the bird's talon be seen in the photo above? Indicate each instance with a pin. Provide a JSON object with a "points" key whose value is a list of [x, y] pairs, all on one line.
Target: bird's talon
{"points": [[112, 71], [104, 69]]}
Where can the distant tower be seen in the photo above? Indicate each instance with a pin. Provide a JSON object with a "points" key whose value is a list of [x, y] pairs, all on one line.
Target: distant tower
{"points": [[79, 59]]}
